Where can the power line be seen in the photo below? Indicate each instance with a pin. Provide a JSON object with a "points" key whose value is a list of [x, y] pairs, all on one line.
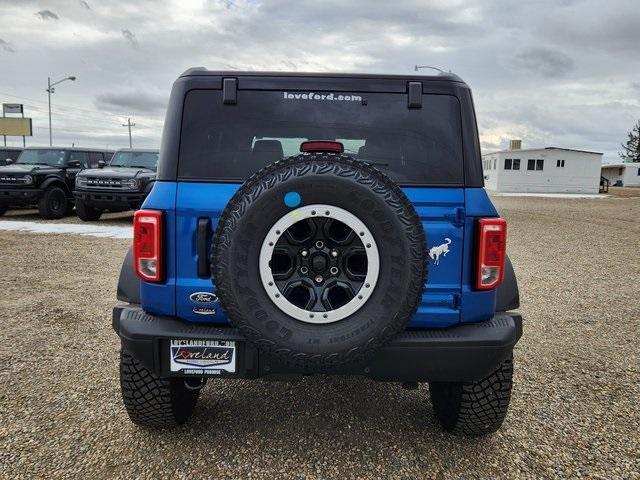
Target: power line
{"points": [[68, 107]]}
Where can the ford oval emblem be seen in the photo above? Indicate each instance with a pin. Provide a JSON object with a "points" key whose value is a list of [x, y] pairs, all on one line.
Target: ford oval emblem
{"points": [[203, 297]]}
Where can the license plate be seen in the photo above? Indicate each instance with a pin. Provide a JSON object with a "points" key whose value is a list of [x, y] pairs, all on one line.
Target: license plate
{"points": [[202, 357]]}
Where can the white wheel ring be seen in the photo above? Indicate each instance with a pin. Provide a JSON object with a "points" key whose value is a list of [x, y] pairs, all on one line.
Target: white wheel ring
{"points": [[314, 211]]}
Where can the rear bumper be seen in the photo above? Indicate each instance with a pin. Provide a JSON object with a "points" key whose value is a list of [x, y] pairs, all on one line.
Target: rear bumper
{"points": [[19, 197], [108, 199], [462, 353]]}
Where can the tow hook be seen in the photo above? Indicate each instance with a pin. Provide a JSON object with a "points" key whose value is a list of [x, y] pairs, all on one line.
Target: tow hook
{"points": [[194, 384]]}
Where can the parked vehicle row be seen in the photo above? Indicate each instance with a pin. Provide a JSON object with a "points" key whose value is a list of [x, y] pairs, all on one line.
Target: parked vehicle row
{"points": [[55, 179]]}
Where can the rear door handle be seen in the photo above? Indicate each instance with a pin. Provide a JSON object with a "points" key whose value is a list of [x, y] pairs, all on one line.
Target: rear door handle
{"points": [[203, 235]]}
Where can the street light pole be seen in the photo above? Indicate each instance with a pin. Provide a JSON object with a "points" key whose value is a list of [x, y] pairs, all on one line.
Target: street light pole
{"points": [[50, 90]]}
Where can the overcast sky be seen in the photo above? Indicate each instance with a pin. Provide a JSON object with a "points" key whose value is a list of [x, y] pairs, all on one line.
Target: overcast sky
{"points": [[559, 72]]}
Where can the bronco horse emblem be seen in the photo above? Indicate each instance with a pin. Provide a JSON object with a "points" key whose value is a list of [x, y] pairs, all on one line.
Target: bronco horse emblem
{"points": [[443, 249]]}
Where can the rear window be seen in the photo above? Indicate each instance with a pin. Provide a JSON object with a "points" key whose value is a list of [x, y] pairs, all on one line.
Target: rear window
{"points": [[230, 142]]}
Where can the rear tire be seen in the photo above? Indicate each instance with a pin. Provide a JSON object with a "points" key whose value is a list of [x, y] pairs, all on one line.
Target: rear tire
{"points": [[474, 408], [152, 401], [87, 213], [53, 204], [3, 210]]}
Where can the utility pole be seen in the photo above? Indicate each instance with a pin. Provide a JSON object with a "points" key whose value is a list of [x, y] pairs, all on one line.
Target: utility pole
{"points": [[129, 124], [49, 92]]}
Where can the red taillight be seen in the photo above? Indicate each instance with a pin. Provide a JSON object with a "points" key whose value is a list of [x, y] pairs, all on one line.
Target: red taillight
{"points": [[147, 245], [492, 245], [321, 146]]}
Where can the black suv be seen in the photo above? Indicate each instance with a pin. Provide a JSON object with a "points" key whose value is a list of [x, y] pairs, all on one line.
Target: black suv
{"points": [[9, 153], [121, 186], [44, 177]]}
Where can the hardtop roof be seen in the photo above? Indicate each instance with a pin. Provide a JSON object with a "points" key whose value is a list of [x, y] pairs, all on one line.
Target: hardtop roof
{"points": [[441, 76], [71, 149]]}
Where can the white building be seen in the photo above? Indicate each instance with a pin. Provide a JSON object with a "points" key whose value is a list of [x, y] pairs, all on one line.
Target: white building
{"points": [[628, 174], [542, 170]]}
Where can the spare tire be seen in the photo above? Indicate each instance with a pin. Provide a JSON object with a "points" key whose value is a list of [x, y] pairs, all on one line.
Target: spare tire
{"points": [[319, 259]]}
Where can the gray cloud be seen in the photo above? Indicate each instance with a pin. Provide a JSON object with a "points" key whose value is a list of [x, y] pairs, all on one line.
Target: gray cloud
{"points": [[577, 88], [134, 101], [47, 15], [130, 37], [544, 62], [6, 46]]}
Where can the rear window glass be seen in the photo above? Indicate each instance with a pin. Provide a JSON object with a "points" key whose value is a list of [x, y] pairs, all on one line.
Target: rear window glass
{"points": [[231, 142]]}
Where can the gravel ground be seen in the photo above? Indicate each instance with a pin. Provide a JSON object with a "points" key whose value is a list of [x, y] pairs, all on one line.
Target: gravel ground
{"points": [[574, 411]]}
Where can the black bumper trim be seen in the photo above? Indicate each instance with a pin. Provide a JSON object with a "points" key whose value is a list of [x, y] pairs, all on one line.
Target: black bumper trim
{"points": [[19, 196], [462, 353], [110, 198]]}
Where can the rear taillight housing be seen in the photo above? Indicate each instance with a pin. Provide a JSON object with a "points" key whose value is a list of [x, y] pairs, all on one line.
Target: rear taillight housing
{"points": [[147, 245], [491, 251]]}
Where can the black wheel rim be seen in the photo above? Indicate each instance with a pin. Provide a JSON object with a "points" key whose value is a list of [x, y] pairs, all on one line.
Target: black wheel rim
{"points": [[319, 264]]}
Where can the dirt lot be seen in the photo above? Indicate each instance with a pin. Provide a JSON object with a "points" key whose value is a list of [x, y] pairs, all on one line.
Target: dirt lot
{"points": [[574, 411]]}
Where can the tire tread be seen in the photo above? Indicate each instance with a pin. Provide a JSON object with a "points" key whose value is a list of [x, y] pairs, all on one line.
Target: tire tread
{"points": [[474, 408], [152, 401], [297, 166]]}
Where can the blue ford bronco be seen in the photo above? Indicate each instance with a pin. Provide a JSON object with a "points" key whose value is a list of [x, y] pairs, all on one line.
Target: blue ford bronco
{"points": [[319, 223]]}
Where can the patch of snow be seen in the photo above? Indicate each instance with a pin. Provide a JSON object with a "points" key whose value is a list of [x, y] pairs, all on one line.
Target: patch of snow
{"points": [[104, 231], [551, 195]]}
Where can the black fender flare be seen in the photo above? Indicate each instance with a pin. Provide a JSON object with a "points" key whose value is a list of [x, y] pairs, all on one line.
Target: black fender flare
{"points": [[128, 282], [58, 183], [507, 294], [149, 186]]}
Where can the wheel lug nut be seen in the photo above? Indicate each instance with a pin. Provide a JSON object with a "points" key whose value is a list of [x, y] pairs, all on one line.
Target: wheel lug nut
{"points": [[304, 253], [319, 279], [334, 270], [319, 245], [334, 253], [304, 270]]}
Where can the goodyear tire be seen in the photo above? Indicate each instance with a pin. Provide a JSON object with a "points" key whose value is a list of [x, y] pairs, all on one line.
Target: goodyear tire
{"points": [[474, 408], [152, 401], [53, 204], [319, 259], [87, 213]]}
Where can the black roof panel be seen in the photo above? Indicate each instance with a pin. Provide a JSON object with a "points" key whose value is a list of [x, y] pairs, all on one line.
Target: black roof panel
{"points": [[201, 71]]}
